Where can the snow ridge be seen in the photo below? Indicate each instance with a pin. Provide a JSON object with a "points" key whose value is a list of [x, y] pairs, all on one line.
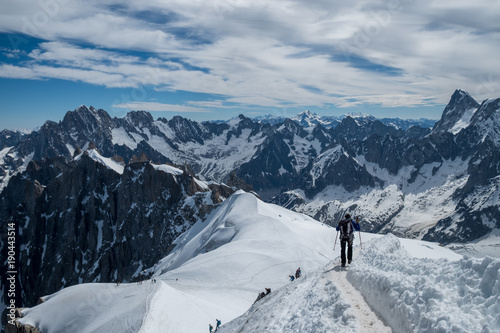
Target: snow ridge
{"points": [[413, 286], [427, 295], [311, 304], [321, 301]]}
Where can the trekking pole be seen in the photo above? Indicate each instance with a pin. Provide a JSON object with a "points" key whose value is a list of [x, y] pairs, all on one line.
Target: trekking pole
{"points": [[341, 217], [359, 231], [323, 255]]}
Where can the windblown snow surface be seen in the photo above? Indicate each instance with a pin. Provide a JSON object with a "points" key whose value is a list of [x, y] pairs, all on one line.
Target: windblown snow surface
{"points": [[220, 265]]}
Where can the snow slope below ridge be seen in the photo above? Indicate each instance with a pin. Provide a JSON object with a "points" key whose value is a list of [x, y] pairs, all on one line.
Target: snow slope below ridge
{"points": [[91, 307], [217, 270], [325, 300], [251, 224], [244, 246], [321, 301]]}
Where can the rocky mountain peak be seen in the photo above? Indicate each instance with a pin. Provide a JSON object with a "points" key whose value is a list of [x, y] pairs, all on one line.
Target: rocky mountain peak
{"points": [[186, 130], [241, 123], [307, 119], [488, 110], [9, 138], [84, 119], [293, 127], [486, 121], [139, 119], [457, 113], [349, 129], [90, 112], [245, 122], [306, 115]]}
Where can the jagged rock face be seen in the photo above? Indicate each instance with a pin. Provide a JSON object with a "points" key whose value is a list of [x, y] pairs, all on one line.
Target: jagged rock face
{"points": [[9, 138], [477, 210], [187, 130], [273, 154], [335, 167], [81, 221], [460, 104], [476, 215], [289, 200], [351, 129]]}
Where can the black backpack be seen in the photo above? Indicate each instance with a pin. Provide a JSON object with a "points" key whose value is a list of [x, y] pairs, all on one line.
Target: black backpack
{"points": [[346, 230]]}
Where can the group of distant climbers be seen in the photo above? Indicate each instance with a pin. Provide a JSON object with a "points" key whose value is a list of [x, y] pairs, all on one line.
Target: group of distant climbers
{"points": [[298, 273], [263, 294], [210, 327]]}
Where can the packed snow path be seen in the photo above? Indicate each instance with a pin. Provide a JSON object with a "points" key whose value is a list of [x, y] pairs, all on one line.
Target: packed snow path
{"points": [[151, 290], [368, 319], [319, 301]]}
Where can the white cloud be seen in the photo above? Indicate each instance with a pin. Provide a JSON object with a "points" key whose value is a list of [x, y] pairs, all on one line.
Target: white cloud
{"points": [[158, 107], [16, 72], [391, 53], [219, 104]]}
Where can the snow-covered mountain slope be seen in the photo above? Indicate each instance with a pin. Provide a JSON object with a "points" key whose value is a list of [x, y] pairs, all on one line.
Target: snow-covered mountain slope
{"points": [[411, 286], [217, 268], [220, 265], [95, 219], [457, 115], [410, 209], [213, 150], [205, 147], [308, 119]]}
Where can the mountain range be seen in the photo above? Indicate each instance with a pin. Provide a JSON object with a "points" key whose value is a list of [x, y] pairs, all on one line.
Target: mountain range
{"points": [[309, 119], [99, 199]]}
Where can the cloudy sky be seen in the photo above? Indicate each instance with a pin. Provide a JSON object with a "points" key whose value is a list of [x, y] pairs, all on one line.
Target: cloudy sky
{"points": [[215, 59]]}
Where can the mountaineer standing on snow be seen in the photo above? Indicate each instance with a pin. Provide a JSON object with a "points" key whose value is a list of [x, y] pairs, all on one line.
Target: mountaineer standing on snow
{"points": [[346, 228], [218, 324], [298, 273]]}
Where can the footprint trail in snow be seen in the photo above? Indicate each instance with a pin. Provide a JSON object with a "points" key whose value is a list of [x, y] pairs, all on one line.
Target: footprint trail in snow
{"points": [[368, 320]]}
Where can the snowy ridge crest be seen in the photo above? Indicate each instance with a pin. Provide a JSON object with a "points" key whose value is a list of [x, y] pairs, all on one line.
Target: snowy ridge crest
{"points": [[428, 295], [239, 218], [108, 162]]}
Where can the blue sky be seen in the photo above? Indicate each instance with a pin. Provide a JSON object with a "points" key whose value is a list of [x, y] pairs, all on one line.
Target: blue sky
{"points": [[216, 59]]}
